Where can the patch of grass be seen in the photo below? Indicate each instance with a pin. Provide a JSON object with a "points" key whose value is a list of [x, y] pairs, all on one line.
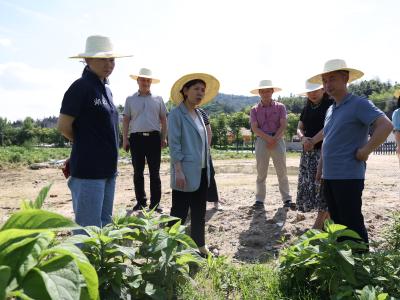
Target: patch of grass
{"points": [[15, 156], [220, 279]]}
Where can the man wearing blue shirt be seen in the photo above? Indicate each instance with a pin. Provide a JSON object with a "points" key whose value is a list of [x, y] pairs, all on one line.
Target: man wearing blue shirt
{"points": [[346, 146]]}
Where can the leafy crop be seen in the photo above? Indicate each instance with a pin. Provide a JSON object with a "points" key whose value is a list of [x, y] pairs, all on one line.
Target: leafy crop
{"points": [[33, 265], [136, 258]]}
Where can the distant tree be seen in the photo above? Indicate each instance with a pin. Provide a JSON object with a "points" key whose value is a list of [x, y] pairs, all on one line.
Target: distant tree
{"points": [[236, 121], [5, 128], [219, 126], [291, 129]]}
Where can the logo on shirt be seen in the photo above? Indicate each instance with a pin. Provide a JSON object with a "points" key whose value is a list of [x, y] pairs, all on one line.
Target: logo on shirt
{"points": [[98, 101]]}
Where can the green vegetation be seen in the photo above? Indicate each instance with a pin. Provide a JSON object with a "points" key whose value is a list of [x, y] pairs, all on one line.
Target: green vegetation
{"points": [[35, 265], [18, 155], [142, 258], [220, 279]]}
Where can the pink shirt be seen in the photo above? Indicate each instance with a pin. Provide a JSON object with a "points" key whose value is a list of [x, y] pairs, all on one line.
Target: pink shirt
{"points": [[268, 117]]}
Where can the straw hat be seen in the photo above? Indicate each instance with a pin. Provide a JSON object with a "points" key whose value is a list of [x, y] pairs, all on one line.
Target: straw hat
{"points": [[212, 87], [145, 73], [310, 87], [336, 65], [396, 93], [265, 84], [98, 46]]}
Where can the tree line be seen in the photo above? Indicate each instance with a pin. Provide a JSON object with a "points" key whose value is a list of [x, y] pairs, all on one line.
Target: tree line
{"points": [[229, 118]]}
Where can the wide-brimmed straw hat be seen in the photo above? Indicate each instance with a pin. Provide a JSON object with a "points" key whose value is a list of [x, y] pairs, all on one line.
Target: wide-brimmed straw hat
{"points": [[145, 73], [98, 46], [265, 84], [310, 87], [212, 87], [337, 65]]}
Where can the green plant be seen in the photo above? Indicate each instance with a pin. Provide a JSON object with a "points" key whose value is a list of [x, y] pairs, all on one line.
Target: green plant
{"points": [[392, 233], [220, 279], [33, 265], [136, 258], [323, 261]]}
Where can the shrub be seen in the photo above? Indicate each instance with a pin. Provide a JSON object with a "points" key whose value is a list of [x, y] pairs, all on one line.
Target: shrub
{"points": [[33, 265], [136, 258]]}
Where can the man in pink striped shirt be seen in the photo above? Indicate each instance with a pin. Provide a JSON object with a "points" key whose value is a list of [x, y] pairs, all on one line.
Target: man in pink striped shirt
{"points": [[268, 121]]}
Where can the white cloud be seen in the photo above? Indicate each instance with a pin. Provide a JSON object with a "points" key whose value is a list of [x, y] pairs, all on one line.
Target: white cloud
{"points": [[28, 91], [5, 42]]}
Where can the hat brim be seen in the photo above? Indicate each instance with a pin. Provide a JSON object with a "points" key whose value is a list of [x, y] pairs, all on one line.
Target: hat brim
{"points": [[354, 74], [101, 55], [256, 91], [153, 80], [212, 87], [304, 93]]}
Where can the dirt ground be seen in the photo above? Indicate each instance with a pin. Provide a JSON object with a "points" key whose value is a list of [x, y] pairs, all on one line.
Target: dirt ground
{"points": [[237, 231]]}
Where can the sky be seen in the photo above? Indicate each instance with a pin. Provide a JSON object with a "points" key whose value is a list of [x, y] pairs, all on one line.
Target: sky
{"points": [[239, 42]]}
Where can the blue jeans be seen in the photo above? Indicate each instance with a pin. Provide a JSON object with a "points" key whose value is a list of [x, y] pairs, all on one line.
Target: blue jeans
{"points": [[92, 200]]}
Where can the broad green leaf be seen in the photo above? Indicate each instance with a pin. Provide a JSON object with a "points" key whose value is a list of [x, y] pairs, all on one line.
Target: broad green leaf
{"points": [[19, 295], [5, 273], [165, 219], [383, 296], [33, 285], [129, 252], [332, 228], [38, 203], [186, 258], [347, 255], [21, 252], [174, 229], [38, 219], [42, 196], [61, 277], [186, 240], [85, 268], [39, 246], [350, 233]]}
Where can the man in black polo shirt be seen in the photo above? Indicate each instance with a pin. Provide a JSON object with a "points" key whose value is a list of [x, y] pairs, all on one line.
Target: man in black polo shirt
{"points": [[89, 118]]}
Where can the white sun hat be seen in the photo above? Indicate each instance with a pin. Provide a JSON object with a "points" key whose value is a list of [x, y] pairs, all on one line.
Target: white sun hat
{"points": [[212, 87], [98, 46], [265, 84], [145, 73], [337, 65], [310, 87]]}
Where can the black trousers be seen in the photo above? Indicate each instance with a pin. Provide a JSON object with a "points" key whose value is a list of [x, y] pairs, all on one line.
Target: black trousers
{"points": [[146, 148], [344, 203], [212, 191], [196, 201]]}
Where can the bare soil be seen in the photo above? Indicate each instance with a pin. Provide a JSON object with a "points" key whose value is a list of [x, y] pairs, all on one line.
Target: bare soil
{"points": [[238, 231]]}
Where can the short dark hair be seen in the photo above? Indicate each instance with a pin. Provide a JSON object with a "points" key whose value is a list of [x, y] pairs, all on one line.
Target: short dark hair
{"points": [[189, 84]]}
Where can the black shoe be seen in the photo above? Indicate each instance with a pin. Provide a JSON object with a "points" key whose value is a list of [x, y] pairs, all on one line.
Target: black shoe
{"points": [[158, 208], [258, 204], [289, 204], [139, 206]]}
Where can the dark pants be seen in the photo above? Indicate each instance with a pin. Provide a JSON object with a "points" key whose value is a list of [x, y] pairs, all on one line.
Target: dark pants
{"points": [[146, 148], [344, 203], [196, 201], [212, 191]]}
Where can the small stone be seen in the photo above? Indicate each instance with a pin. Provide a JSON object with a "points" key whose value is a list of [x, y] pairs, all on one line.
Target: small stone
{"points": [[212, 228], [300, 217]]}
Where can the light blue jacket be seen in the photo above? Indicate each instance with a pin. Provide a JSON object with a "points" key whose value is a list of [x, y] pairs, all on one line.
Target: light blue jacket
{"points": [[185, 145]]}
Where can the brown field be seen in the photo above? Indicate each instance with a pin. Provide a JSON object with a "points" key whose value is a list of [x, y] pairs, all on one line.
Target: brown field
{"points": [[237, 231]]}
